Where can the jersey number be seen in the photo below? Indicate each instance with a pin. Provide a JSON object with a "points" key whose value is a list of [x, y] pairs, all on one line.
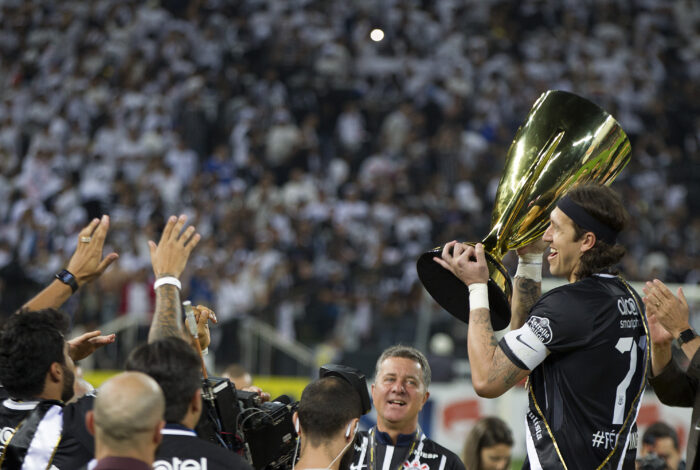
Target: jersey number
{"points": [[626, 344]]}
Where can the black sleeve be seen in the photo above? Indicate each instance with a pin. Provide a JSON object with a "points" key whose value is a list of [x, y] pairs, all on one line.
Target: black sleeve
{"points": [[561, 321]]}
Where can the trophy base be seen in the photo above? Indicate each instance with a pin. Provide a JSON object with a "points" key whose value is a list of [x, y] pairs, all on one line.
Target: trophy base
{"points": [[453, 295]]}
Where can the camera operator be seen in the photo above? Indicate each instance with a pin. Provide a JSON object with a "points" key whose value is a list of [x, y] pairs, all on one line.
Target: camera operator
{"points": [[176, 368], [660, 449], [399, 391], [327, 420]]}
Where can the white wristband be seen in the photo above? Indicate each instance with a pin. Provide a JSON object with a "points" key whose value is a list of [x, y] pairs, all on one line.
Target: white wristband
{"points": [[205, 351], [530, 266], [170, 280], [478, 296]]}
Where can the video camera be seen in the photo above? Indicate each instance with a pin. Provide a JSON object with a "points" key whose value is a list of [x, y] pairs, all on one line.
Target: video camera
{"points": [[262, 432]]}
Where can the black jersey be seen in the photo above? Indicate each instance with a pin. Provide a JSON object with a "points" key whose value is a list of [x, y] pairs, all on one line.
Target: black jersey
{"points": [[34, 434], [375, 451], [587, 346], [181, 448]]}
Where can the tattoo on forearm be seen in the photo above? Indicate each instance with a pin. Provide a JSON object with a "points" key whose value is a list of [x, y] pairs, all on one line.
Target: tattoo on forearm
{"points": [[504, 370], [167, 320], [528, 291]]}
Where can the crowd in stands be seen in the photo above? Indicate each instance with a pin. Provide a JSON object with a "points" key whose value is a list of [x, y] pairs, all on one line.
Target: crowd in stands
{"points": [[316, 163]]}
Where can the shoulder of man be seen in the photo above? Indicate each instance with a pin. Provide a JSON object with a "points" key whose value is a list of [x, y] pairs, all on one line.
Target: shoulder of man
{"points": [[203, 453], [77, 445]]}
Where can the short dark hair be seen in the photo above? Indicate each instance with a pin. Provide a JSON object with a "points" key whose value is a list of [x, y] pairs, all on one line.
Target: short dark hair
{"points": [[326, 406], [605, 205], [29, 343], [406, 352], [487, 432], [175, 366], [659, 430]]}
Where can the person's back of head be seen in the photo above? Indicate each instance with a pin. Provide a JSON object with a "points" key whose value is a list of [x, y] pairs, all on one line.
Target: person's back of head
{"points": [[488, 445], [127, 417], [238, 375], [327, 406], [606, 208], [174, 365], [29, 343]]}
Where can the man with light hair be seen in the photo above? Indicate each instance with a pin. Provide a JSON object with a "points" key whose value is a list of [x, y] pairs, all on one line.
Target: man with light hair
{"points": [[126, 421], [399, 391]]}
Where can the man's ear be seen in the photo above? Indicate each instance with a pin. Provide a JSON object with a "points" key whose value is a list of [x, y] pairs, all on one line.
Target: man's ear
{"points": [[157, 436], [196, 401], [588, 240], [425, 398], [295, 420], [90, 422], [55, 372]]}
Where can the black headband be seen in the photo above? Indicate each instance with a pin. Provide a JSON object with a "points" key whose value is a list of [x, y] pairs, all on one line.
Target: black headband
{"points": [[586, 221]]}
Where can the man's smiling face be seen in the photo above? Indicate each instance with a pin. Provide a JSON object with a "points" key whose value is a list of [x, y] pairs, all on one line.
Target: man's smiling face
{"points": [[398, 393]]}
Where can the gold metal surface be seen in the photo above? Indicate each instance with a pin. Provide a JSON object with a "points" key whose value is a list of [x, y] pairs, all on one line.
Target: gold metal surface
{"points": [[565, 141]]}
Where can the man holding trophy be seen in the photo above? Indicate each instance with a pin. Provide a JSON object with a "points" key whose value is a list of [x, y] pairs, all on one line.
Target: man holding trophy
{"points": [[584, 345]]}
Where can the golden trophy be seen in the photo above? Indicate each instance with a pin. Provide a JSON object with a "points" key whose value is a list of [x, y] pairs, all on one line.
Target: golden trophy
{"points": [[565, 141]]}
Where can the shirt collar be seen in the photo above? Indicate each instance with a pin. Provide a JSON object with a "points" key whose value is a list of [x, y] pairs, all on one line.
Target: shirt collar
{"points": [[178, 429], [109, 463], [404, 440]]}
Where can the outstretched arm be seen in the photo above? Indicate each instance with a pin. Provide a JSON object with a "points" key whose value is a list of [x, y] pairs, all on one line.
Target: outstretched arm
{"points": [[169, 258], [493, 373], [85, 265], [86, 344]]}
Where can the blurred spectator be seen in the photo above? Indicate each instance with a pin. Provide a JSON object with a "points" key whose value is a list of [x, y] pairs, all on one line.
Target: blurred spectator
{"points": [[305, 151], [488, 445]]}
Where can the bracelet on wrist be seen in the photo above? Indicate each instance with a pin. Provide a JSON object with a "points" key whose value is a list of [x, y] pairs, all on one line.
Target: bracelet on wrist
{"points": [[530, 266], [167, 280], [478, 296]]}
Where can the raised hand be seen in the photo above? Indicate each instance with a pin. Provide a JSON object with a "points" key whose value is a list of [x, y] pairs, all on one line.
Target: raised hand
{"points": [[87, 263], [170, 256], [202, 315], [86, 344], [670, 311]]}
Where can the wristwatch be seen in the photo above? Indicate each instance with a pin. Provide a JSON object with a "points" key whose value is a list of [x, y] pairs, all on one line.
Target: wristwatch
{"points": [[686, 336], [67, 278]]}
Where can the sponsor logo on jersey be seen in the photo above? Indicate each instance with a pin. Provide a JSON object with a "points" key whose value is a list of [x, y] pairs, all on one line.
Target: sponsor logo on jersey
{"points": [[540, 326], [5, 435], [536, 424], [630, 315], [627, 306], [177, 464]]}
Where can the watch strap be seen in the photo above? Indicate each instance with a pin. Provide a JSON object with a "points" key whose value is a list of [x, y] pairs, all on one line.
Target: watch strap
{"points": [[68, 278], [686, 336]]}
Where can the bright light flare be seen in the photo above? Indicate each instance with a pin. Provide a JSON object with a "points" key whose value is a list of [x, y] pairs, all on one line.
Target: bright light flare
{"points": [[376, 35]]}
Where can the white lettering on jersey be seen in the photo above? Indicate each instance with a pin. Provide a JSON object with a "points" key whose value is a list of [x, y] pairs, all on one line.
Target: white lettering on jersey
{"points": [[628, 307], [540, 326], [177, 464], [604, 439]]}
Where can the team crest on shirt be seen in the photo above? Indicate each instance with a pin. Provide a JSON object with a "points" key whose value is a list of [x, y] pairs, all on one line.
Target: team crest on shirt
{"points": [[540, 326]]}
